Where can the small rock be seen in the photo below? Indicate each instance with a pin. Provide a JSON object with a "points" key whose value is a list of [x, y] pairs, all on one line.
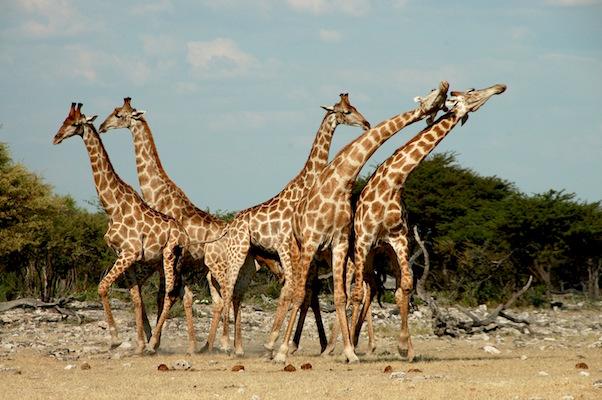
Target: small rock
{"points": [[255, 397], [126, 346], [581, 366], [491, 350], [181, 365], [523, 357], [543, 373], [85, 366], [238, 368], [290, 368], [306, 366], [70, 366], [598, 384], [584, 373], [397, 375], [162, 368], [388, 369], [414, 371]]}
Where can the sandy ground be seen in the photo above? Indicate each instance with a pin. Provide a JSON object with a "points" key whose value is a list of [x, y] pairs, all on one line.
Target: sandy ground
{"points": [[527, 367]]}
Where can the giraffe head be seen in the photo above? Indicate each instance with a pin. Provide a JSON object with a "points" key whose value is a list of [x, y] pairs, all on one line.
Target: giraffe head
{"points": [[347, 114], [74, 124], [122, 117], [433, 102], [471, 100]]}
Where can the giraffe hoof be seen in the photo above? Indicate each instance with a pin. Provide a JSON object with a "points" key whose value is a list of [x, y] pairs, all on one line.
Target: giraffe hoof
{"points": [[149, 351], [205, 349], [279, 358]]}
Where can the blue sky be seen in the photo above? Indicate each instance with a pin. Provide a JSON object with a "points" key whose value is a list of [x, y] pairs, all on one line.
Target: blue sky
{"points": [[232, 88]]}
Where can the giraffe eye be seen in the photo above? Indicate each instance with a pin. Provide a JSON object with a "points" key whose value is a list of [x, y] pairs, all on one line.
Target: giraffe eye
{"points": [[117, 116], [346, 112]]}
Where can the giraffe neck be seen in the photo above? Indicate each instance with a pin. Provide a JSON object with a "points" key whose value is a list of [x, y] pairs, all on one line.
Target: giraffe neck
{"points": [[352, 158], [106, 180], [318, 156], [403, 162], [151, 174]]}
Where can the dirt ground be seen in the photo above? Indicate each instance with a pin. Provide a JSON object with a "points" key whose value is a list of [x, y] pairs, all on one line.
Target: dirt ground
{"points": [[526, 367]]}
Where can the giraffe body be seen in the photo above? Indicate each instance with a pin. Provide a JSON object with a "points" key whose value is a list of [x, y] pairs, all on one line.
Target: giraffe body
{"points": [[137, 233], [161, 193], [381, 219], [322, 219], [267, 227]]}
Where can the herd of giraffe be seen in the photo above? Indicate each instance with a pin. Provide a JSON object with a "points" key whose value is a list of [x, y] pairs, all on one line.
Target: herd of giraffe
{"points": [[162, 230]]}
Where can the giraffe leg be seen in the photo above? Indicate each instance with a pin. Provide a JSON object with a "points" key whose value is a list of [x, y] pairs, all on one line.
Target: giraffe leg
{"points": [[123, 262], [336, 327], [302, 314], [138, 307], [339, 252], [306, 258], [402, 293], [238, 348], [148, 272], [238, 254], [358, 291], [371, 340], [171, 256], [311, 300], [218, 305], [136, 297], [315, 306], [289, 258], [366, 313], [187, 301], [332, 341]]}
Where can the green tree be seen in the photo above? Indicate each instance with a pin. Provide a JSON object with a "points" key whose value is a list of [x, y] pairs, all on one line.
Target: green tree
{"points": [[46, 242]]}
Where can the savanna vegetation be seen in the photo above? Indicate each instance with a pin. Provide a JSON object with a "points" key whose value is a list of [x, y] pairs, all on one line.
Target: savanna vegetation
{"points": [[484, 237]]}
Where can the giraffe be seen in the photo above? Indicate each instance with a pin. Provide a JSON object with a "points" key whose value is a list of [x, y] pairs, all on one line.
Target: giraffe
{"points": [[381, 219], [136, 232], [267, 227], [322, 219], [161, 193]]}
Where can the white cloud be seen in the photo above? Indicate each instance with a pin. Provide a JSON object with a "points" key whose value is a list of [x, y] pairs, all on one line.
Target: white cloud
{"points": [[53, 18], [330, 36], [352, 7], [98, 67], [159, 45], [220, 57]]}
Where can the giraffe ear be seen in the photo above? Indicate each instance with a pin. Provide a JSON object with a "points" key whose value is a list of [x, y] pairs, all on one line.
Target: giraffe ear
{"points": [[328, 108], [91, 119], [137, 114], [464, 119]]}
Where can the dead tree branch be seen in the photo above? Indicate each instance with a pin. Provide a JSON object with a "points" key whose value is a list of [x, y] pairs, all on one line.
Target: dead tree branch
{"points": [[58, 305]]}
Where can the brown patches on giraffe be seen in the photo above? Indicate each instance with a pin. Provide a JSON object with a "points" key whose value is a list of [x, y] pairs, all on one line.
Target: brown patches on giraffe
{"points": [[390, 230], [150, 239]]}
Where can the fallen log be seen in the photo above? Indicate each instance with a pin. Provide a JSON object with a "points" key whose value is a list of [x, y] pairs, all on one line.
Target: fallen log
{"points": [[445, 324], [58, 305]]}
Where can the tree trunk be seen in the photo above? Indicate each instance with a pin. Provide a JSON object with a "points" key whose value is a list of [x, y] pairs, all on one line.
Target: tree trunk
{"points": [[593, 282], [543, 273]]}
